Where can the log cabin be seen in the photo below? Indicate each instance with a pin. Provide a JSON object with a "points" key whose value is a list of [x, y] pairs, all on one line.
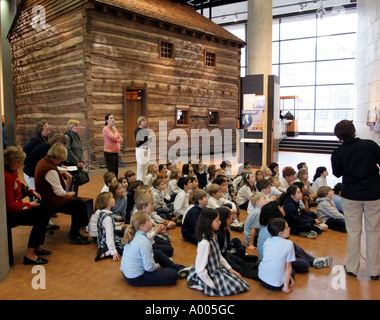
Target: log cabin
{"points": [[82, 59]]}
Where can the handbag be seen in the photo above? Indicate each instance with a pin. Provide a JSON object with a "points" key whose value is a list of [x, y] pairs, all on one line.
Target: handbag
{"points": [[81, 177]]}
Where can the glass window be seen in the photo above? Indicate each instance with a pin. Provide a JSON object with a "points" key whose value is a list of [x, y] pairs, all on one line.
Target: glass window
{"points": [[339, 20], [305, 96], [305, 120], [336, 72], [297, 50], [336, 47], [297, 74], [298, 27], [275, 52], [335, 97]]}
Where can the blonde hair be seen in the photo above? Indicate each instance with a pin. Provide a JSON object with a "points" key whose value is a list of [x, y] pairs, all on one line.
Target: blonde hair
{"points": [[323, 191], [174, 173], [13, 155], [142, 190], [139, 119], [72, 123], [300, 174], [57, 151], [213, 188], [256, 197], [150, 167], [137, 219], [102, 200], [142, 201]]}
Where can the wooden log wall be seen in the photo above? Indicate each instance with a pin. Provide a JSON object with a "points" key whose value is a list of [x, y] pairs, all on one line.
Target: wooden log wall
{"points": [[123, 50], [77, 68], [47, 67]]}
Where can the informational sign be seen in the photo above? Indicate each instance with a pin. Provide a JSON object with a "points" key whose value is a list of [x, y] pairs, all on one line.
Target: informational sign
{"points": [[253, 112]]}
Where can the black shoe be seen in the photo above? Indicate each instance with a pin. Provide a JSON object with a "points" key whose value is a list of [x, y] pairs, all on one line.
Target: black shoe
{"points": [[351, 274], [49, 232], [39, 260], [53, 227], [42, 252], [375, 277], [78, 239]]}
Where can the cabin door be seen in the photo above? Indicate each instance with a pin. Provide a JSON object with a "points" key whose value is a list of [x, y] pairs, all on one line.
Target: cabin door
{"points": [[134, 107]]}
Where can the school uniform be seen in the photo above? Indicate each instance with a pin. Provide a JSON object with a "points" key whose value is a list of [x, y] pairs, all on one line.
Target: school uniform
{"points": [[189, 224], [243, 196], [277, 252], [108, 242], [327, 213], [211, 269], [181, 203], [139, 268], [319, 182]]}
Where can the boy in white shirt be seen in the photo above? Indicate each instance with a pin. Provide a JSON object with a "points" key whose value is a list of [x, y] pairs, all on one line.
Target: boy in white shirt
{"points": [[109, 177], [216, 200], [275, 182], [181, 202]]}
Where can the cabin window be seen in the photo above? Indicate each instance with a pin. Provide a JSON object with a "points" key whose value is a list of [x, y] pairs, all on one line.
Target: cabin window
{"points": [[182, 115], [213, 117], [166, 50], [210, 59]]}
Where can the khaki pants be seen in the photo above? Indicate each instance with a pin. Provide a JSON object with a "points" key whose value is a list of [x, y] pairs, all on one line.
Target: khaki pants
{"points": [[354, 211]]}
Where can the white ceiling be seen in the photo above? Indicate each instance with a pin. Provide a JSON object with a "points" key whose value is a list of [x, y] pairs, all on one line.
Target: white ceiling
{"points": [[238, 11]]}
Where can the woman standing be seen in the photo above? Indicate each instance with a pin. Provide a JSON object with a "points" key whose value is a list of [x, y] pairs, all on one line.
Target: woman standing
{"points": [[24, 213], [112, 140], [357, 161], [74, 151]]}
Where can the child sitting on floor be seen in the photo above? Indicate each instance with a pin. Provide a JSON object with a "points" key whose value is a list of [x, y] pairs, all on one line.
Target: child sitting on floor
{"points": [[327, 212], [252, 223], [275, 270], [108, 178]]}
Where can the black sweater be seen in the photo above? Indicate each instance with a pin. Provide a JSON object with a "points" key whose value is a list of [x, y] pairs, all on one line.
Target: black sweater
{"points": [[356, 160]]}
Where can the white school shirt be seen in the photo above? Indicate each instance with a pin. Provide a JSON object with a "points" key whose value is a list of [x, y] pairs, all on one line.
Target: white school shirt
{"points": [[181, 203], [216, 203], [108, 226], [277, 252], [173, 187], [319, 182], [244, 194]]}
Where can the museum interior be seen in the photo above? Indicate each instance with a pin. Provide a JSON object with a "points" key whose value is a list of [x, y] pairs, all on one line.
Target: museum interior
{"points": [[239, 83]]}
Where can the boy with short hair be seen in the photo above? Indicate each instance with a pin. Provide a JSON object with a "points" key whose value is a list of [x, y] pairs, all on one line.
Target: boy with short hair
{"points": [[160, 205], [109, 177], [181, 201], [252, 223], [275, 182], [327, 212], [200, 200], [275, 270], [130, 175], [216, 200]]}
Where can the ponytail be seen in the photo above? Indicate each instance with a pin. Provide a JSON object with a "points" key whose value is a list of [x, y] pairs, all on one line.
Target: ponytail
{"points": [[137, 219]]}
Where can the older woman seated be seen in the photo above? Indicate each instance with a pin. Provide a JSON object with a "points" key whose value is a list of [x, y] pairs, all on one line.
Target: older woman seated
{"points": [[24, 213], [51, 186]]}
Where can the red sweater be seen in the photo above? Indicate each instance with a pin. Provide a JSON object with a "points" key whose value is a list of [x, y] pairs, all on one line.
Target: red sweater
{"points": [[13, 192]]}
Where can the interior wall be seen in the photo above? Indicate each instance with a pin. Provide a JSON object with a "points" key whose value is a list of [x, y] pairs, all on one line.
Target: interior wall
{"points": [[367, 66]]}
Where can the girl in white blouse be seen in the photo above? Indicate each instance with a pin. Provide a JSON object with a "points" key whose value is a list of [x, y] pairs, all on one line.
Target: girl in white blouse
{"points": [[212, 274], [246, 191]]}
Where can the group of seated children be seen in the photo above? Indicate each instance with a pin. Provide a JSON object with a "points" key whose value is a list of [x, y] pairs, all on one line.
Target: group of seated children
{"points": [[132, 218]]}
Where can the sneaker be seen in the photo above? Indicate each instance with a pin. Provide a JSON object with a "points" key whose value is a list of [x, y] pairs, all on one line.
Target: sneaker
{"points": [[322, 262], [310, 234], [237, 226], [322, 226], [184, 272]]}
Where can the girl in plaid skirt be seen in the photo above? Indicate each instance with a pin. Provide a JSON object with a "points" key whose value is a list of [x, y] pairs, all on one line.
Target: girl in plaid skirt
{"points": [[211, 273]]}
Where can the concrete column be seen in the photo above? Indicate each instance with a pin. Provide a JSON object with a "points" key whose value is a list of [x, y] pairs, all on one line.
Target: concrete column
{"points": [[259, 48], [4, 262], [8, 12]]}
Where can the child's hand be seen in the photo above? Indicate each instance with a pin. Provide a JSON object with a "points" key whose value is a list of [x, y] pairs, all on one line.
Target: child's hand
{"points": [[119, 218], [116, 257], [232, 271], [252, 248]]}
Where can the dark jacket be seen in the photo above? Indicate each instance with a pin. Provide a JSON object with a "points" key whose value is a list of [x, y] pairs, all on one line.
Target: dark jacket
{"points": [[189, 224], [356, 160], [295, 218], [74, 149]]}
